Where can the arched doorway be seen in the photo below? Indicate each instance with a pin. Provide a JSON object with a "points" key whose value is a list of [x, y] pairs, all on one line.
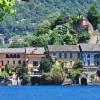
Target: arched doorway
{"points": [[97, 60], [83, 81]]}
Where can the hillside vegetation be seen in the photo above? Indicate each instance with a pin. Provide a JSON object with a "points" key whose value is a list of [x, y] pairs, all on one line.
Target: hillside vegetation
{"points": [[30, 14]]}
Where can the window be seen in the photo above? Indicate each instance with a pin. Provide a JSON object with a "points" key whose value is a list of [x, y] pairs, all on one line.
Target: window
{"points": [[11, 56], [35, 63], [1, 63], [19, 62], [23, 63], [97, 63], [88, 61], [18, 56], [78, 55], [65, 55], [7, 61], [60, 54], [54, 54], [88, 56], [13, 61], [7, 55], [70, 55], [14, 55]]}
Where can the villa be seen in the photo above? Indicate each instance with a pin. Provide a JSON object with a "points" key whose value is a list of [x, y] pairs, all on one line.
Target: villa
{"points": [[88, 53], [64, 53], [29, 57]]}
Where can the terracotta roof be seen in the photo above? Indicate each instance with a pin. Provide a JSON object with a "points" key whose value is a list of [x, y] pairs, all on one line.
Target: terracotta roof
{"points": [[35, 55], [72, 48], [90, 47]]}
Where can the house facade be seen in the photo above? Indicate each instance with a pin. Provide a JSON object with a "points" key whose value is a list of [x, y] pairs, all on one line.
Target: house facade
{"points": [[88, 53], [91, 55], [67, 54], [29, 57]]}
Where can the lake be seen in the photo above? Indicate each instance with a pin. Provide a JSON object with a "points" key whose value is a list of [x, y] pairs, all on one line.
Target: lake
{"points": [[50, 93]]}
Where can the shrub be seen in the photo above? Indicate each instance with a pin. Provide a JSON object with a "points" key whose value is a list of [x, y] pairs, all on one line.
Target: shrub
{"points": [[7, 68], [57, 74], [78, 64], [4, 75], [25, 79], [20, 70], [83, 37], [45, 65], [92, 76], [47, 76]]}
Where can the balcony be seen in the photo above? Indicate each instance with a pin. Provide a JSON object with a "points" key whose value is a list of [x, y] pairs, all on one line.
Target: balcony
{"points": [[91, 68]]}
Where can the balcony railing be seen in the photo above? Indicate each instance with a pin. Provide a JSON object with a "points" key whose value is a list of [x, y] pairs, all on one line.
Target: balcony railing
{"points": [[38, 74], [91, 68]]}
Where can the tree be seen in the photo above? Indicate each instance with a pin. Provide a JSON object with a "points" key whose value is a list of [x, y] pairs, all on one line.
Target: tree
{"points": [[25, 79], [83, 37], [45, 65], [43, 28], [41, 40], [7, 68], [78, 64], [93, 16], [57, 74], [4, 75], [6, 8], [20, 70], [22, 73], [55, 38], [69, 39]]}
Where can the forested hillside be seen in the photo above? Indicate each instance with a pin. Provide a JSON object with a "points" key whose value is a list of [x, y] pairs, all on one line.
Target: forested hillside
{"points": [[31, 13]]}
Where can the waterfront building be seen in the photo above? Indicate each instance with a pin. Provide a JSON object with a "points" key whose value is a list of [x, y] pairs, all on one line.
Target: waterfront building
{"points": [[29, 57], [67, 54], [90, 55]]}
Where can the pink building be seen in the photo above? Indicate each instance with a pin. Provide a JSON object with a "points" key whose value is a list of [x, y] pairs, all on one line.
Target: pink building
{"points": [[22, 56]]}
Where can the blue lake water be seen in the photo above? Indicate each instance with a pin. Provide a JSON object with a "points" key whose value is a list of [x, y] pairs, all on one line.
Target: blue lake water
{"points": [[50, 93]]}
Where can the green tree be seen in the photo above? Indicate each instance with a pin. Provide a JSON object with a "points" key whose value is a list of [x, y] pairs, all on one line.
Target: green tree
{"points": [[41, 40], [57, 74], [25, 79], [7, 68], [55, 38], [78, 64], [6, 8], [45, 65], [69, 38], [83, 37], [20, 70], [4, 75], [44, 27], [93, 16]]}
